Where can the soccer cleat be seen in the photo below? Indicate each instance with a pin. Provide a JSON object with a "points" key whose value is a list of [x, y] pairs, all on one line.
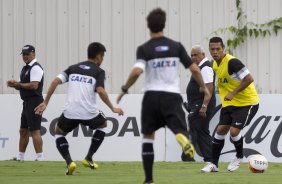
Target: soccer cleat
{"points": [[187, 147], [210, 167], [234, 164], [88, 163], [39, 158], [189, 150], [70, 168]]}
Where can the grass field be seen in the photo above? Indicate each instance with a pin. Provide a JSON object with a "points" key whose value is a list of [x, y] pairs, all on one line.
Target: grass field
{"points": [[31, 172]]}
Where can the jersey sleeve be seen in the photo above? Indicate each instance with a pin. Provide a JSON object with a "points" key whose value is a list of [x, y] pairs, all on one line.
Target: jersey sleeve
{"points": [[140, 58], [100, 79], [207, 74], [235, 66], [36, 73], [64, 76], [184, 57]]}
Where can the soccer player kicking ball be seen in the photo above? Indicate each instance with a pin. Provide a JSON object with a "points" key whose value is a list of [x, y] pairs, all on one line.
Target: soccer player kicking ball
{"points": [[86, 79], [160, 58]]}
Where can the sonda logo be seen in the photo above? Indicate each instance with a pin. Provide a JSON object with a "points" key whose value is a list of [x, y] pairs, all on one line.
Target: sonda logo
{"points": [[129, 126]]}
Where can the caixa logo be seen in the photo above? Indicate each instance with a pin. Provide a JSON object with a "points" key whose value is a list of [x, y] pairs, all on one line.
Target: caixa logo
{"points": [[129, 126]]}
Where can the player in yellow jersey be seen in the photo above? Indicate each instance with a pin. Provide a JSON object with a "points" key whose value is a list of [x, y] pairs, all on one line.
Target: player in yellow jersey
{"points": [[240, 103]]}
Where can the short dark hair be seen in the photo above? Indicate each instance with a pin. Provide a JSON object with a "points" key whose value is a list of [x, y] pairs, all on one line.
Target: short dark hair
{"points": [[156, 20], [216, 40], [94, 49]]}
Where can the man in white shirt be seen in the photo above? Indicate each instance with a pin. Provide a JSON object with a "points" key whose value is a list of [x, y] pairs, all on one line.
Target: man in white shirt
{"points": [[30, 87], [200, 107]]}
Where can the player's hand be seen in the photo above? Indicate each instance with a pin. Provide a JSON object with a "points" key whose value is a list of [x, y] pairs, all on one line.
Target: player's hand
{"points": [[120, 97], [202, 112], [118, 110], [229, 97], [13, 84], [40, 108]]}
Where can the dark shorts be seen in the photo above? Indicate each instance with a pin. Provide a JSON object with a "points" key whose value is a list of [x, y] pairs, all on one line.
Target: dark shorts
{"points": [[161, 109], [238, 117], [67, 125], [29, 119]]}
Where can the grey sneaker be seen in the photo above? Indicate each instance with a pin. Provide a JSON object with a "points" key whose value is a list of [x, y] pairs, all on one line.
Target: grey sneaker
{"points": [[210, 167], [234, 164]]}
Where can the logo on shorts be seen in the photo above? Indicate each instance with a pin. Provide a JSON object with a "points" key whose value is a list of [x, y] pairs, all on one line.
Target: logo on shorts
{"points": [[236, 123]]}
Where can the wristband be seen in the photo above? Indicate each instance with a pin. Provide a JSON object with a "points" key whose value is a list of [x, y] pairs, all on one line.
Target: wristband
{"points": [[204, 106], [123, 89]]}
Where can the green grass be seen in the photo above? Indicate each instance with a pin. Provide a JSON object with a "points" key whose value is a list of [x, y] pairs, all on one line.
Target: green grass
{"points": [[30, 172]]}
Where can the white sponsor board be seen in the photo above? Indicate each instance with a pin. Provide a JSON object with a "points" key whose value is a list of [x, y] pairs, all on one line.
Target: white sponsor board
{"points": [[123, 137]]}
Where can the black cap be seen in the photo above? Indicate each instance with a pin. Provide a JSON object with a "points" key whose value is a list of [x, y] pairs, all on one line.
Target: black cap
{"points": [[28, 49]]}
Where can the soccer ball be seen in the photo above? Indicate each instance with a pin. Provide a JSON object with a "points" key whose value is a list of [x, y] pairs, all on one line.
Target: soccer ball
{"points": [[257, 163]]}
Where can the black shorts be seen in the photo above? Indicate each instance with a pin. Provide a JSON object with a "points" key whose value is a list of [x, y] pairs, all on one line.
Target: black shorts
{"points": [[67, 125], [161, 109], [238, 117], [29, 119]]}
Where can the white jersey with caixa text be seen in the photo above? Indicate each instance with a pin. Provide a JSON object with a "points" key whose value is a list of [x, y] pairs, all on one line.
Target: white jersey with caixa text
{"points": [[82, 78], [160, 59]]}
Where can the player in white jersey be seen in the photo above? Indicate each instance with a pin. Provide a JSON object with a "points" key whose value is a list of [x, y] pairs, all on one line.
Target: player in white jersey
{"points": [[85, 79], [160, 58]]}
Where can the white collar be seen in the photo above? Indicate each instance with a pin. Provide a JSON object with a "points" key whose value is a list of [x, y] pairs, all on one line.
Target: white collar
{"points": [[204, 60], [32, 62]]}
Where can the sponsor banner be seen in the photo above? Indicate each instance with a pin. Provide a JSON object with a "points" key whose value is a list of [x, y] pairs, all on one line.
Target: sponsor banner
{"points": [[123, 137]]}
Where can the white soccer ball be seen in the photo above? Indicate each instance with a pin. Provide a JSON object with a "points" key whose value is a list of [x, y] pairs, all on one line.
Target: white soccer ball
{"points": [[257, 163]]}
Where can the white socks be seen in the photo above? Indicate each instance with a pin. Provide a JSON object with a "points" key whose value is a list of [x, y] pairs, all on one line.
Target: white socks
{"points": [[20, 156], [39, 157]]}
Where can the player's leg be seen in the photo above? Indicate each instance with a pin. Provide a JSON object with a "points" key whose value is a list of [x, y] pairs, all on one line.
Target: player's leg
{"points": [[242, 117], [97, 139], [23, 142], [204, 139], [150, 122], [37, 143], [34, 124], [148, 156], [174, 117], [218, 139], [64, 126], [24, 134]]}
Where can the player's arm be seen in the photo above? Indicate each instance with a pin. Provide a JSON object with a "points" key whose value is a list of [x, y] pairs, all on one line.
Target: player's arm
{"points": [[196, 72], [41, 107], [105, 98], [246, 81], [236, 67], [27, 86], [137, 70], [134, 75], [36, 74]]}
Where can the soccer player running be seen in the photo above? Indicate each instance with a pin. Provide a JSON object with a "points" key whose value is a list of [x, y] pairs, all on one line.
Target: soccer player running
{"points": [[160, 58], [240, 103], [86, 79]]}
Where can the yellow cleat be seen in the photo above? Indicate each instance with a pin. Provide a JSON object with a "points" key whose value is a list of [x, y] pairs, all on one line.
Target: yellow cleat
{"points": [[70, 168], [91, 164], [189, 150], [187, 147]]}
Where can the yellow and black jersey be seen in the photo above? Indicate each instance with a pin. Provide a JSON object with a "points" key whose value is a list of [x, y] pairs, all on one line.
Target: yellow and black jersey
{"points": [[229, 74]]}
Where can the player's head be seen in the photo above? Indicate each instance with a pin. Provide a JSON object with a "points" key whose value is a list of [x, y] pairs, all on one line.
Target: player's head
{"points": [[96, 51], [28, 53], [197, 54], [216, 48], [156, 20]]}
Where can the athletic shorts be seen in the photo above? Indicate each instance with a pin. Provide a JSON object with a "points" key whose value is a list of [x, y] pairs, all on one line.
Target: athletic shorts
{"points": [[67, 125], [30, 120], [161, 109], [238, 117]]}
